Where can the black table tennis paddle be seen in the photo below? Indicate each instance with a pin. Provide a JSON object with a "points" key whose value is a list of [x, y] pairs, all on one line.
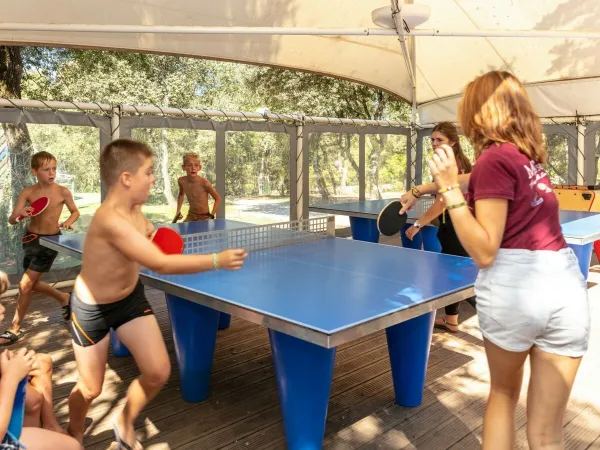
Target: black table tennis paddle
{"points": [[390, 221]]}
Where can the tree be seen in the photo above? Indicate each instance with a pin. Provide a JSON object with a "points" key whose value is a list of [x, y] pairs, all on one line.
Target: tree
{"points": [[120, 78], [306, 93], [17, 134], [19, 148]]}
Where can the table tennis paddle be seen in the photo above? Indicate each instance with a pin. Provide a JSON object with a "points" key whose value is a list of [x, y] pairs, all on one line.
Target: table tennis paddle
{"points": [[390, 221], [169, 241], [38, 206], [177, 217]]}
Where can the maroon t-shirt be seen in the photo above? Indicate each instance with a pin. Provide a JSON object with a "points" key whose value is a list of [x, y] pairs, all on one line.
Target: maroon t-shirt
{"points": [[502, 171]]}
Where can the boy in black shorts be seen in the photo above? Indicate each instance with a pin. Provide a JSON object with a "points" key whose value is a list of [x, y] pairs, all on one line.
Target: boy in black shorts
{"points": [[108, 294], [39, 259]]}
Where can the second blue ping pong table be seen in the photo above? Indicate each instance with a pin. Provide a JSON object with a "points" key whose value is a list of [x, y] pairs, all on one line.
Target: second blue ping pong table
{"points": [[313, 292], [580, 228]]}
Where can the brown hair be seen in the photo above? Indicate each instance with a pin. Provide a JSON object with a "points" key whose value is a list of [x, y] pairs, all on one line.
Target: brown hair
{"points": [[448, 129], [496, 109], [41, 158], [122, 155], [190, 155]]}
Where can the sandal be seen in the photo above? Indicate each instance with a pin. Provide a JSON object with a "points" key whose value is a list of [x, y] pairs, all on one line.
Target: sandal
{"points": [[441, 323], [12, 337], [122, 445]]}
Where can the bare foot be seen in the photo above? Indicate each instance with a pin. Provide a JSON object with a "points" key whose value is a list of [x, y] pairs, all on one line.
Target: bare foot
{"points": [[77, 436]]}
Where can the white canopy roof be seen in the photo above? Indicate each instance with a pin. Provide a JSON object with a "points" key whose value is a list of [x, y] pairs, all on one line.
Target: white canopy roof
{"points": [[562, 74]]}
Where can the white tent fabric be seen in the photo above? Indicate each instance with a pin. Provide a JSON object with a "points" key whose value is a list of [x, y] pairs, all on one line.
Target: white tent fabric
{"points": [[562, 74]]}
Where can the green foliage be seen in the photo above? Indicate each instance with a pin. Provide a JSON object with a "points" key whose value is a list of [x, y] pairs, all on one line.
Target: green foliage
{"points": [[175, 144], [257, 164], [558, 158], [316, 95], [76, 151], [10, 237]]}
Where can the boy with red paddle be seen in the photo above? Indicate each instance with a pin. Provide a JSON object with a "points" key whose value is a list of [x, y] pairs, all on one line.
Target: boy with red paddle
{"points": [[42, 222], [108, 293]]}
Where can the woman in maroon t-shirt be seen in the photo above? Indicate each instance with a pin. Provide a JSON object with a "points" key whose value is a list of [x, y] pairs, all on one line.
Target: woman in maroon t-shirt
{"points": [[531, 295]]}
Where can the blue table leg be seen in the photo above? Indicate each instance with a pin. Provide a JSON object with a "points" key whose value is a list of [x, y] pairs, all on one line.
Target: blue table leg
{"points": [[584, 256], [408, 346], [194, 334], [224, 320], [431, 243], [417, 241], [303, 371], [364, 229], [15, 425], [118, 348]]}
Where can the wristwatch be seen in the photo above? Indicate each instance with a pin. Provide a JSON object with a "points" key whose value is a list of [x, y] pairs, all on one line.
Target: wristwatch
{"points": [[417, 224]]}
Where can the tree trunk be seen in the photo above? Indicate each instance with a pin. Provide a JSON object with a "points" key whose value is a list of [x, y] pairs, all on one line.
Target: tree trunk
{"points": [[17, 135], [18, 140], [164, 166], [345, 147], [377, 143], [343, 181], [164, 158], [316, 163]]}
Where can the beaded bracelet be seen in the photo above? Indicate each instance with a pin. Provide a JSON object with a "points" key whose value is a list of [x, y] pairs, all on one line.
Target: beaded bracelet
{"points": [[215, 261], [415, 192], [456, 205]]}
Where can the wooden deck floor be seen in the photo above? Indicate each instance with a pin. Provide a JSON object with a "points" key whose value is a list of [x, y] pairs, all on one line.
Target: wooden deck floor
{"points": [[243, 410]]}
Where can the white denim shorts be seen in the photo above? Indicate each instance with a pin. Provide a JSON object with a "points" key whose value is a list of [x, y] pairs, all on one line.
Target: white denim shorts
{"points": [[536, 298]]}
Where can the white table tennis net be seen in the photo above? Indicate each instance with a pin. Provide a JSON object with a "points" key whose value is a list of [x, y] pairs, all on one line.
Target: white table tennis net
{"points": [[260, 237]]}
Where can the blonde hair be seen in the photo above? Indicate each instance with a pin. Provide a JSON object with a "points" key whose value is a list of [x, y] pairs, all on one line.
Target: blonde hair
{"points": [[190, 155], [40, 158], [496, 109], [4, 283], [122, 155]]}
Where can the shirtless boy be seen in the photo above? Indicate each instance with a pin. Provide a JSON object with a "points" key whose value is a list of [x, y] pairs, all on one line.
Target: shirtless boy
{"points": [[39, 259], [108, 293], [197, 190]]}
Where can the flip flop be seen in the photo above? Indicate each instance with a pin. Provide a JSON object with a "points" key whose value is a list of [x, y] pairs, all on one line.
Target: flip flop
{"points": [[12, 337], [441, 323], [122, 445]]}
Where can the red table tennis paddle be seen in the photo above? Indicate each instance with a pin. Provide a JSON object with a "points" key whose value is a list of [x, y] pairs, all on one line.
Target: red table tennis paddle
{"points": [[38, 206], [390, 221], [169, 241]]}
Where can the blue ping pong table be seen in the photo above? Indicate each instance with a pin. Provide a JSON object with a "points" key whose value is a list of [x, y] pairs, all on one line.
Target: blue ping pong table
{"points": [[363, 222], [312, 296], [580, 228]]}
